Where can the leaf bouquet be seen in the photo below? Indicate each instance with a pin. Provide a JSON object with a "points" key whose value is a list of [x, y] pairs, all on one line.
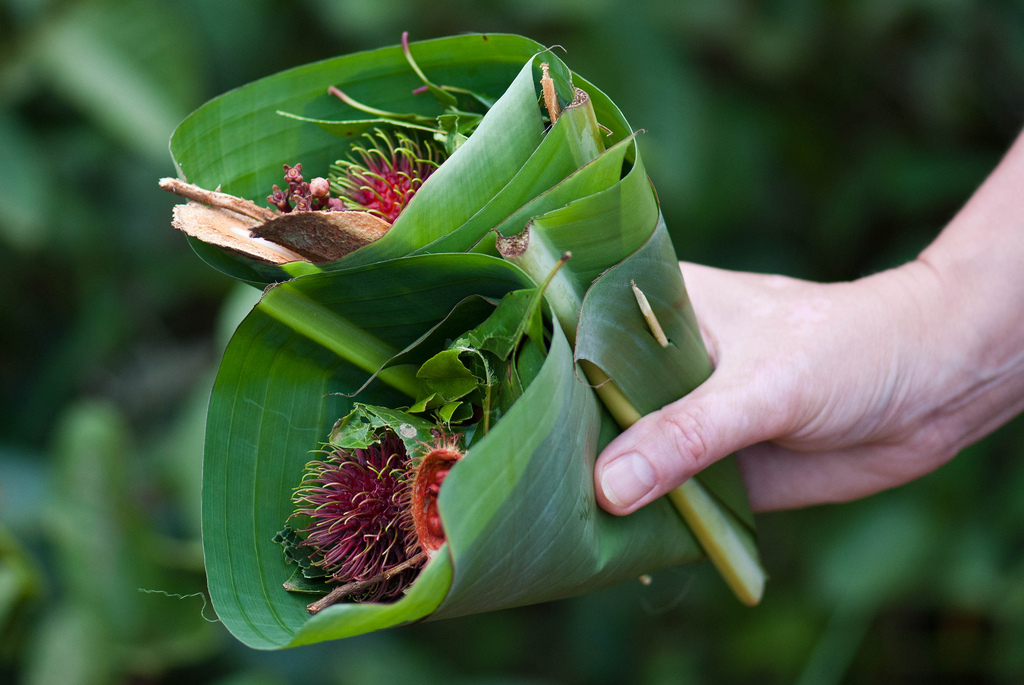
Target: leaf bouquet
{"points": [[469, 297]]}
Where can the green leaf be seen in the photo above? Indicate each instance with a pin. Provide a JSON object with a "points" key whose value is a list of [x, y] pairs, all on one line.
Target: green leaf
{"points": [[556, 157], [465, 315], [382, 77], [595, 176], [21, 582], [528, 365], [295, 553], [520, 510], [610, 320], [614, 222], [463, 412], [505, 163], [455, 129], [252, 140], [446, 412], [502, 143], [300, 583], [121, 65], [105, 548], [361, 427], [23, 175], [431, 401], [600, 230], [501, 332], [447, 375]]}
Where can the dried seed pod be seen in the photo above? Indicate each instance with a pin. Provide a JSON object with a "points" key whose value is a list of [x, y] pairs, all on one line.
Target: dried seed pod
{"points": [[432, 469]]}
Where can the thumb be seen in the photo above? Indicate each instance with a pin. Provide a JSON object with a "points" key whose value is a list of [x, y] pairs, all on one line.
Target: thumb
{"points": [[669, 446]]}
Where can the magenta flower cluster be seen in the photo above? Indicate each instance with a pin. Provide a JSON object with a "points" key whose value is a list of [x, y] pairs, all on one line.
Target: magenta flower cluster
{"points": [[382, 176], [357, 504]]}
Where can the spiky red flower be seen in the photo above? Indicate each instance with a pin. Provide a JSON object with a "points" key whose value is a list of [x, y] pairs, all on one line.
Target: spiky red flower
{"points": [[356, 501], [382, 177]]}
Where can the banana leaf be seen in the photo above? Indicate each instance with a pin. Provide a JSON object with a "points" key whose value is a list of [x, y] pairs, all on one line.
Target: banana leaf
{"points": [[520, 515], [524, 527]]}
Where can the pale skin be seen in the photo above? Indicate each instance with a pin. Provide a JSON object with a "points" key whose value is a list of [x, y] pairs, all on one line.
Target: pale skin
{"points": [[832, 392]]}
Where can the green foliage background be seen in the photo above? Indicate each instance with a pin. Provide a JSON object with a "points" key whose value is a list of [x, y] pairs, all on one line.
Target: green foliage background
{"points": [[821, 140]]}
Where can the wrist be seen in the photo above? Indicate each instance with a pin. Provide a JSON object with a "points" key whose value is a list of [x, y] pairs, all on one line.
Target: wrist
{"points": [[973, 296]]}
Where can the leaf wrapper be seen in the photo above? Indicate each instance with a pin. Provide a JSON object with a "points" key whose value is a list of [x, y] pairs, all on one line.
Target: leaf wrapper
{"points": [[519, 510]]}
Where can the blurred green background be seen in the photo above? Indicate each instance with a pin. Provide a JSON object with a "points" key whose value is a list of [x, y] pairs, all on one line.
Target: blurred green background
{"points": [[824, 140]]}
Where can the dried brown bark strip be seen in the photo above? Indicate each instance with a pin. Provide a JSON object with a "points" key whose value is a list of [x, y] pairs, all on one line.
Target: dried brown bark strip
{"points": [[550, 96], [215, 199], [230, 231], [243, 227], [323, 236]]}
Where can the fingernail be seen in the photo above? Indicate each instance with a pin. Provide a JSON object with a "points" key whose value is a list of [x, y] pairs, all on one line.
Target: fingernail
{"points": [[627, 479]]}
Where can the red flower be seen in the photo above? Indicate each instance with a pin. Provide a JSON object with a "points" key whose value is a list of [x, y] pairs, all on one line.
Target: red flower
{"points": [[356, 504], [372, 513], [386, 175]]}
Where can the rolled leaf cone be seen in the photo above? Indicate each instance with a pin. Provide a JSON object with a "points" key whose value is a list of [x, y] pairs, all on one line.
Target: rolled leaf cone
{"points": [[519, 511]]}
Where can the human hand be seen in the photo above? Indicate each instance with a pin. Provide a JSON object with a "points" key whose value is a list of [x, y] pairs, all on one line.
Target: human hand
{"points": [[830, 391], [835, 391]]}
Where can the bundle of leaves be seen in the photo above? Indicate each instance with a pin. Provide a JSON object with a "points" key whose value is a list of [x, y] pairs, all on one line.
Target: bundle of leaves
{"points": [[537, 164]]}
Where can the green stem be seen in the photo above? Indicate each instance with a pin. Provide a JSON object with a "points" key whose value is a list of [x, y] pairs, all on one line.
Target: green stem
{"points": [[584, 131], [838, 644], [446, 99], [540, 262], [327, 328], [487, 409], [727, 542], [614, 400], [373, 111]]}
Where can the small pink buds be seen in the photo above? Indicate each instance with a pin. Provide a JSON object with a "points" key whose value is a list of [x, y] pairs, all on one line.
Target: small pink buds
{"points": [[301, 196], [320, 189]]}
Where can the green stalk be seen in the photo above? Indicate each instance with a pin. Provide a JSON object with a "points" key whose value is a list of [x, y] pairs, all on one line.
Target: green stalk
{"points": [[350, 342], [584, 131], [727, 542]]}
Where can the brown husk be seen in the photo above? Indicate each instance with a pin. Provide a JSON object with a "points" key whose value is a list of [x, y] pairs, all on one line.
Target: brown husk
{"points": [[240, 226]]}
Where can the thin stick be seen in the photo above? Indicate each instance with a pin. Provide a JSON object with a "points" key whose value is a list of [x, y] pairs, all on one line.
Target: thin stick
{"points": [[550, 97], [649, 317], [343, 591], [215, 199]]}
